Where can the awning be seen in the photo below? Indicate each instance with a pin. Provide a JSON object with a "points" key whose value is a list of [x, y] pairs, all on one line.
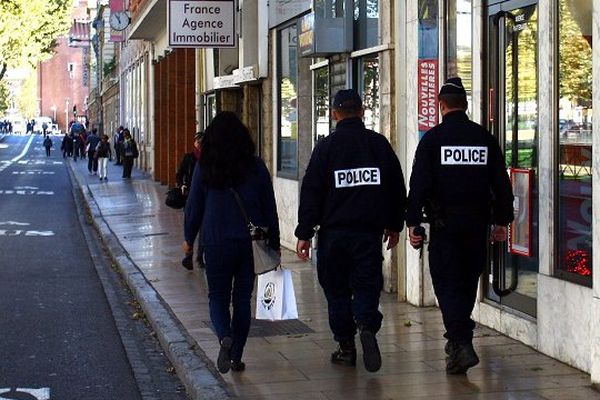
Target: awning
{"points": [[79, 35]]}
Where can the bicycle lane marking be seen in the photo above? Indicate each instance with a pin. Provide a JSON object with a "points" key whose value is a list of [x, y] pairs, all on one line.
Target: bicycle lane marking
{"points": [[17, 158]]}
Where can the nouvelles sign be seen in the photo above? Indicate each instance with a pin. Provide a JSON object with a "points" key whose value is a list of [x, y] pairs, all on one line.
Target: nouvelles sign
{"points": [[202, 23]]}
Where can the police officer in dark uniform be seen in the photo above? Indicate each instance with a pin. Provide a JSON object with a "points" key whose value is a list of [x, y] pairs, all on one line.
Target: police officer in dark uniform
{"points": [[460, 179], [354, 192]]}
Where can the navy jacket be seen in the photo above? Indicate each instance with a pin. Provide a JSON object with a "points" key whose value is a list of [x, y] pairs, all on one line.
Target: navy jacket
{"points": [[353, 182], [459, 165], [216, 213]]}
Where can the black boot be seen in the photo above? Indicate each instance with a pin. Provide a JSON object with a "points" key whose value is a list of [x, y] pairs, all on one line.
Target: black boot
{"points": [[461, 357], [345, 354], [224, 359], [371, 354]]}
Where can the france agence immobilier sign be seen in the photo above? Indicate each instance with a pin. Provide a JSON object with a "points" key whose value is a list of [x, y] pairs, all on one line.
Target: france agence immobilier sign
{"points": [[202, 23]]}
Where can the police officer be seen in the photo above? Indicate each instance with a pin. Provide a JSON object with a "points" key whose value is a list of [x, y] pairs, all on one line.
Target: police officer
{"points": [[354, 191], [459, 177]]}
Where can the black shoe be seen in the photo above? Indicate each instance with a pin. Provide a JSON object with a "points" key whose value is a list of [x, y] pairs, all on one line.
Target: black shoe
{"points": [[450, 347], [237, 366], [224, 360], [371, 354], [188, 262], [345, 357], [461, 359]]}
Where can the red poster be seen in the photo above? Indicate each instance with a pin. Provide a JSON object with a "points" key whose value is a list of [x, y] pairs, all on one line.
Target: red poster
{"points": [[427, 91]]}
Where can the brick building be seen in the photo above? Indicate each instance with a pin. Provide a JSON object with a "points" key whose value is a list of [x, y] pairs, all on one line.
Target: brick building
{"points": [[62, 81]]}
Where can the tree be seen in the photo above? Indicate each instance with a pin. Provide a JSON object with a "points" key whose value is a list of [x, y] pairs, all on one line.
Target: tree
{"points": [[4, 97], [29, 29]]}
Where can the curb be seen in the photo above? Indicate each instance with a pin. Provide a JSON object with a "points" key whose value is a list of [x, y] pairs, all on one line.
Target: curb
{"points": [[196, 371]]}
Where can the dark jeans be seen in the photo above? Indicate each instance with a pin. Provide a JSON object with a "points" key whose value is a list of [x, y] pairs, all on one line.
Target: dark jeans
{"points": [[118, 154], [349, 265], [47, 151], [457, 257], [92, 162], [75, 152], [127, 166], [230, 265]]}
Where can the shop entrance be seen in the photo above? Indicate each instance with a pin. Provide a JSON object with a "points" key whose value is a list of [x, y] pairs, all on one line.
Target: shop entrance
{"points": [[512, 116]]}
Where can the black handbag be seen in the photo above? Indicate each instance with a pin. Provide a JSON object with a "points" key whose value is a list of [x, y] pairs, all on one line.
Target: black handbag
{"points": [[175, 199]]}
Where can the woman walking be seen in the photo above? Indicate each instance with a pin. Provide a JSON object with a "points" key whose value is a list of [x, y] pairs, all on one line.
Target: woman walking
{"points": [[102, 155], [228, 164], [129, 152]]}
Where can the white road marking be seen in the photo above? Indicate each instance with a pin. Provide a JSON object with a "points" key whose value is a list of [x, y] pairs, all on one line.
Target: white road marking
{"points": [[26, 187], [3, 146], [39, 233], [31, 172], [28, 192], [20, 232], [14, 223], [38, 394], [17, 158]]}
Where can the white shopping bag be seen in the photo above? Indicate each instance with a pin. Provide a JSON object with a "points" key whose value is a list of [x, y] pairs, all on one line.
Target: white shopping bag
{"points": [[275, 297]]}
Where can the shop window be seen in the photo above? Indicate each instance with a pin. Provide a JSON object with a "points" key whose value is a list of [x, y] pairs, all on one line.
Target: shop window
{"points": [[366, 24], [210, 110], [287, 87], [459, 44], [574, 233], [321, 120], [368, 83], [329, 8]]}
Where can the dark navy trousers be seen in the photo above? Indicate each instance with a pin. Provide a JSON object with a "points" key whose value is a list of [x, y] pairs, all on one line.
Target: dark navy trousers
{"points": [[230, 276], [457, 258], [349, 265]]}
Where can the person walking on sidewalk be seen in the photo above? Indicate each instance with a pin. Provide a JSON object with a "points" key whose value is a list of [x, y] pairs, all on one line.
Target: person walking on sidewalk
{"points": [[117, 141], [459, 177], [67, 146], [103, 155], [92, 143], [48, 145], [184, 180], [129, 152], [228, 165], [354, 190]]}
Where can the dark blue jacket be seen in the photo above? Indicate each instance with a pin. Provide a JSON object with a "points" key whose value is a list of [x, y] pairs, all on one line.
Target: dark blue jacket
{"points": [[216, 213]]}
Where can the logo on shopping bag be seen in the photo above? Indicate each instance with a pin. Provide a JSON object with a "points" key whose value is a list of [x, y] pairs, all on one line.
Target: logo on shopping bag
{"points": [[269, 296]]}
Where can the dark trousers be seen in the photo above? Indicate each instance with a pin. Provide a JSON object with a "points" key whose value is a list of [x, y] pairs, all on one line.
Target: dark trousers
{"points": [[47, 151], [349, 267], [127, 166], [118, 154], [92, 162], [457, 258], [230, 266]]}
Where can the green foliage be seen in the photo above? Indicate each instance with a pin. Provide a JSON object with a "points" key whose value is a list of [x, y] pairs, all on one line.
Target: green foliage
{"points": [[29, 29], [27, 100], [109, 66], [4, 97]]}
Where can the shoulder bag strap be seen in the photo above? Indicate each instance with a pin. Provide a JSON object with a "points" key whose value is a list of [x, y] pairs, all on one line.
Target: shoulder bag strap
{"points": [[241, 206]]}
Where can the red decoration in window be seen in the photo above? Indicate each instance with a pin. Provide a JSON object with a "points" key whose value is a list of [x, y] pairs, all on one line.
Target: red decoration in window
{"points": [[577, 262]]}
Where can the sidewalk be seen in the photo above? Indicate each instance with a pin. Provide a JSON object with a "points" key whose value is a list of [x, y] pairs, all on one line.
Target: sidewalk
{"points": [[292, 361]]}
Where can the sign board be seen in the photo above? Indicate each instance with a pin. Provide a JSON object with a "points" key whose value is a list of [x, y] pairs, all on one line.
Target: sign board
{"points": [[427, 92], [519, 232], [202, 23], [281, 11], [306, 36]]}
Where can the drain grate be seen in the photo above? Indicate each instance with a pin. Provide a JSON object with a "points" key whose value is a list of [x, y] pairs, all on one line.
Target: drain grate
{"points": [[261, 328]]}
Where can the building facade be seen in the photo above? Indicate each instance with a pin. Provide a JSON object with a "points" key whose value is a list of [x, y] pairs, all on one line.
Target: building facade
{"points": [[529, 68]]}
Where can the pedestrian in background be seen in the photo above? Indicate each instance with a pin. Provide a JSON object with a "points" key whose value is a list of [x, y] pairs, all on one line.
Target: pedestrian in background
{"points": [[354, 190], [117, 141], [92, 142], [66, 146], [184, 180], [48, 145], [459, 177], [129, 152], [103, 154], [44, 128], [228, 165]]}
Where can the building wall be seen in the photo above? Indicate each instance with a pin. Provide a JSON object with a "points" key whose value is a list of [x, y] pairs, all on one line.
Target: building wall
{"points": [[60, 88]]}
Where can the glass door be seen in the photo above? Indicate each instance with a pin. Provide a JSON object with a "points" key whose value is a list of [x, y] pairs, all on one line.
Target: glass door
{"points": [[513, 119]]}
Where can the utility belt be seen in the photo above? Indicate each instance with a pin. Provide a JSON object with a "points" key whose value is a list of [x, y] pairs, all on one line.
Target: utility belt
{"points": [[437, 215]]}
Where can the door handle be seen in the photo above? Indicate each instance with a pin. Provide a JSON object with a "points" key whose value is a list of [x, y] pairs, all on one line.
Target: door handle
{"points": [[498, 276]]}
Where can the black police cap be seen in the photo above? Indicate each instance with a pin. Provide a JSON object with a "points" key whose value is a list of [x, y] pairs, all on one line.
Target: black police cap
{"points": [[347, 99], [453, 86]]}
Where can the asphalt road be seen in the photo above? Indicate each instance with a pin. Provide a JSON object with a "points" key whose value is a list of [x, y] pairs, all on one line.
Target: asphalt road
{"points": [[58, 337]]}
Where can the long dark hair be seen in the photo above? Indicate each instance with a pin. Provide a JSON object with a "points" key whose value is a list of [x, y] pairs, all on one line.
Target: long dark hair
{"points": [[227, 151]]}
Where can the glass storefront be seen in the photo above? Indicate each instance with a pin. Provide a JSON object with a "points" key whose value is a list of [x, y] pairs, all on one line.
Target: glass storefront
{"points": [[368, 86], [321, 120], [366, 24], [574, 233], [287, 77], [459, 43]]}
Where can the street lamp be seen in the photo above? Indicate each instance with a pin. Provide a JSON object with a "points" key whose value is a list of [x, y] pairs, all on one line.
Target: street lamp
{"points": [[67, 115]]}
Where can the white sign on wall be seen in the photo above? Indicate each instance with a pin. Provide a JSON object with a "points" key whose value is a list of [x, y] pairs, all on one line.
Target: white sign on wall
{"points": [[202, 23]]}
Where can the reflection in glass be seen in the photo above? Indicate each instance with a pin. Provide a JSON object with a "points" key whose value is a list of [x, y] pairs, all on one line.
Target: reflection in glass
{"points": [[458, 48], [574, 233], [366, 24], [288, 102], [521, 135], [329, 8], [321, 103], [370, 91]]}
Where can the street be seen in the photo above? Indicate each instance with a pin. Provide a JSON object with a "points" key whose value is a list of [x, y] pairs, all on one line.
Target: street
{"points": [[59, 338]]}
